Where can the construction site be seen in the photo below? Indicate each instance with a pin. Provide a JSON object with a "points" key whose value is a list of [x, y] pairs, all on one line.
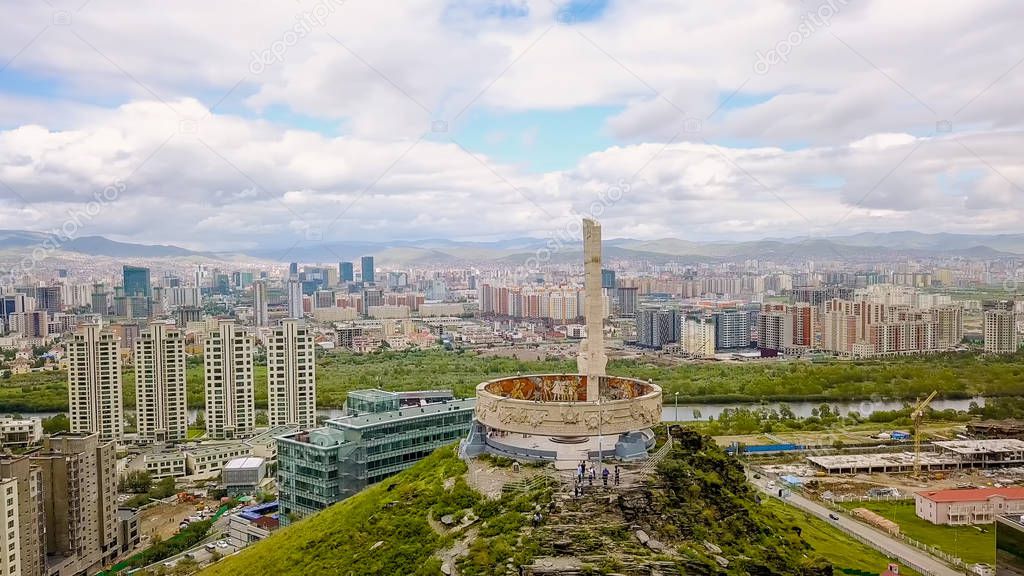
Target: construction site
{"points": [[940, 456]]}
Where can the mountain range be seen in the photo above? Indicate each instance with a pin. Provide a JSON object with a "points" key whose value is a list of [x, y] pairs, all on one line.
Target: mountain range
{"points": [[858, 247]]}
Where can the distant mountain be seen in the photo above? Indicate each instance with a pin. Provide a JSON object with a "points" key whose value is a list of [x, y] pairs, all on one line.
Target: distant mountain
{"points": [[868, 246], [90, 245]]}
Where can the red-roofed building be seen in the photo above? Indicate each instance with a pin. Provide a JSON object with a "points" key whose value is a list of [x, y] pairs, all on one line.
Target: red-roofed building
{"points": [[968, 505]]}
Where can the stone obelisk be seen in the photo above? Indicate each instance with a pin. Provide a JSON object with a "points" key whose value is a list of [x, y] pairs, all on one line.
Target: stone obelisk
{"points": [[592, 359]]}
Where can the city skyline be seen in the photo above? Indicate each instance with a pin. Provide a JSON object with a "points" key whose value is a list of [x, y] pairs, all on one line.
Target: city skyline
{"points": [[313, 126]]}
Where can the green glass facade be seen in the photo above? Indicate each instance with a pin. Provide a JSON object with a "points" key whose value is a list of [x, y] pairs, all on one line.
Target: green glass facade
{"points": [[323, 466]]}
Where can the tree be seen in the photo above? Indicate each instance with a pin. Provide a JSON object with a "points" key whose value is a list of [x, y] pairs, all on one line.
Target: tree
{"points": [[135, 481], [55, 424]]}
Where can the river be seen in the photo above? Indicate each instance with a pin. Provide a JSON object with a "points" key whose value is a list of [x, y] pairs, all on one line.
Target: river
{"points": [[689, 412]]}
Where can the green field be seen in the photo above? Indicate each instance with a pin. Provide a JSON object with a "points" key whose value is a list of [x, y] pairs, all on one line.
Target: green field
{"points": [[954, 375], [841, 550], [972, 544]]}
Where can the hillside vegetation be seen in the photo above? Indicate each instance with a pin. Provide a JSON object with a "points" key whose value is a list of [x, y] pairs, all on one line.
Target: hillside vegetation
{"points": [[697, 512], [954, 375]]}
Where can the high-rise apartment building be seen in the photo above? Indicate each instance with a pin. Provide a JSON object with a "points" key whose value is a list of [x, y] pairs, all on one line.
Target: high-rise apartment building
{"points": [[347, 271], [10, 542], [295, 299], [1000, 326], [260, 303], [137, 281], [230, 402], [950, 320], [100, 299], [79, 477], [291, 375], [161, 410], [94, 382], [774, 330], [656, 328], [627, 300], [697, 337], [366, 269], [731, 329], [30, 518]]}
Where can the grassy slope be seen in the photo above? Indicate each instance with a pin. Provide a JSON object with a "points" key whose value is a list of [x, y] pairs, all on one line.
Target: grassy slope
{"points": [[339, 539], [839, 549], [971, 544], [960, 375]]}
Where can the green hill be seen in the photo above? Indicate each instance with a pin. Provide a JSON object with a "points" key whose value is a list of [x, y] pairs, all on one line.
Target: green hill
{"points": [[695, 515]]}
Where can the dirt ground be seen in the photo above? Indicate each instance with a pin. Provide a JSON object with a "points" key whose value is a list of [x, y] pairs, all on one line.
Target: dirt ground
{"points": [[163, 519]]}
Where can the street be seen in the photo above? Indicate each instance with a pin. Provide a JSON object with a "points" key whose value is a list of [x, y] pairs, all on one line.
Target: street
{"points": [[909, 555]]}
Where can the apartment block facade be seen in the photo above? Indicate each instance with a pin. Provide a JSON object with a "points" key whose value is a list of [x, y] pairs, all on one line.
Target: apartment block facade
{"points": [[230, 393], [94, 382], [161, 409], [291, 375]]}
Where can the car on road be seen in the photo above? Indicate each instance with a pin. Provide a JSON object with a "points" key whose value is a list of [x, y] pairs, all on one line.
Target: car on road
{"points": [[222, 544], [210, 547], [833, 516]]}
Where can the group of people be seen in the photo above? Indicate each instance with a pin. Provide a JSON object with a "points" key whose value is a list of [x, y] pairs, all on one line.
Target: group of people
{"points": [[590, 474]]}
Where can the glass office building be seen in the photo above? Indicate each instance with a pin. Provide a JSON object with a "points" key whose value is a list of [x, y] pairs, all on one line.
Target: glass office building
{"points": [[1009, 546], [319, 467]]}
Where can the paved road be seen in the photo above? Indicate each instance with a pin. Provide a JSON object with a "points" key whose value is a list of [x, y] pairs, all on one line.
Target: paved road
{"points": [[917, 559]]}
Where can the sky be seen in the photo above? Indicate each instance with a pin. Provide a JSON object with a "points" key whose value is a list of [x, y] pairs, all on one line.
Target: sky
{"points": [[233, 125]]}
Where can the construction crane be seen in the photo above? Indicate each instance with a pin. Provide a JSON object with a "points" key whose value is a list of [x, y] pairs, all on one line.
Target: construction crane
{"points": [[917, 415]]}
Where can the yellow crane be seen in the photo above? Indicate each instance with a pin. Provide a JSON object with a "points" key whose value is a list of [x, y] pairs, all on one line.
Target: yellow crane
{"points": [[917, 415]]}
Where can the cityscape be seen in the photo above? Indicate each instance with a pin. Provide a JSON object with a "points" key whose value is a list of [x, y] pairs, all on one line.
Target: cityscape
{"points": [[512, 288]]}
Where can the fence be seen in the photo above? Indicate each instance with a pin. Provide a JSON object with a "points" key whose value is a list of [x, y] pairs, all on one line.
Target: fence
{"points": [[656, 458]]}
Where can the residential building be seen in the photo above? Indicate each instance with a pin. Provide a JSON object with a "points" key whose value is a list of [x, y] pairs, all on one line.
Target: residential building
{"points": [[366, 269], [731, 329], [950, 325], [697, 337], [161, 410], [48, 298], [968, 505], [31, 519], [230, 393], [94, 382], [10, 542], [20, 431], [1000, 327], [657, 327], [79, 477], [291, 375], [260, 303], [774, 330], [319, 467]]}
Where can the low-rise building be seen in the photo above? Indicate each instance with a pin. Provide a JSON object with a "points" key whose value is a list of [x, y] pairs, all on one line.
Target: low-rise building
{"points": [[319, 467], [20, 431], [243, 475], [969, 505], [264, 444], [253, 523], [208, 460], [165, 464]]}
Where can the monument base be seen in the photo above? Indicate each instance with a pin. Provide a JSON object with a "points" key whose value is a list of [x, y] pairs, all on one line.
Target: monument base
{"points": [[630, 446]]}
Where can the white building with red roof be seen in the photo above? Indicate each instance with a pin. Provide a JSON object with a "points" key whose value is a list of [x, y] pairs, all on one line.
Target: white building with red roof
{"points": [[968, 505]]}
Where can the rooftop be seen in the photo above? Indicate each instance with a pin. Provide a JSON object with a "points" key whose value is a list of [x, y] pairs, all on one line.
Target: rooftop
{"points": [[366, 420], [982, 446], [973, 494], [244, 463]]}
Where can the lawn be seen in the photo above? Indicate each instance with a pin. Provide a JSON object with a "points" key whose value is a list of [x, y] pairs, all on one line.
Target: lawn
{"points": [[971, 544], [841, 550]]}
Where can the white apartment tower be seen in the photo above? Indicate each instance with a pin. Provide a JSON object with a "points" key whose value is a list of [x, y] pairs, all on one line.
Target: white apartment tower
{"points": [[94, 382], [294, 299], [259, 303], [160, 383], [291, 375], [230, 401]]}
